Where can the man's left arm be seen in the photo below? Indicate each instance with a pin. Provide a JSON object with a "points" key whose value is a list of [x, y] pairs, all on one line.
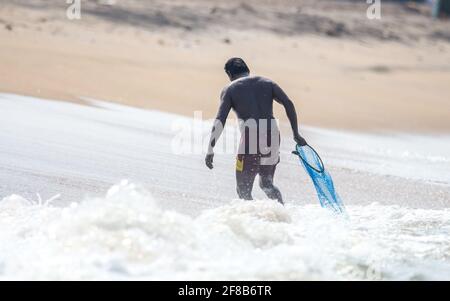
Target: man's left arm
{"points": [[219, 125]]}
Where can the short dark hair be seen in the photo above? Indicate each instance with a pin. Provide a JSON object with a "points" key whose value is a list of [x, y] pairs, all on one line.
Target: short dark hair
{"points": [[236, 66]]}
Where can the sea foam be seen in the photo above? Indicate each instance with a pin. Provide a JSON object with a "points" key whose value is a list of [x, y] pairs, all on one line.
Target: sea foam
{"points": [[127, 235]]}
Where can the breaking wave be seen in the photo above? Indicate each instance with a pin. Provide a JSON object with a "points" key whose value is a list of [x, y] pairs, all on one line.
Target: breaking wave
{"points": [[126, 235]]}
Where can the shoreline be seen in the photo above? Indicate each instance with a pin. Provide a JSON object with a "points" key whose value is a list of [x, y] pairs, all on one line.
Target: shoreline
{"points": [[126, 143], [344, 82]]}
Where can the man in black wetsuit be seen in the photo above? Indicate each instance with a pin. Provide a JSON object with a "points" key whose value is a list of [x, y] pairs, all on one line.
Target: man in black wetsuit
{"points": [[251, 97]]}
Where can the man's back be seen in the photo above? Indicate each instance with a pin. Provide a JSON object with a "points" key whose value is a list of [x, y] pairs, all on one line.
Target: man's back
{"points": [[251, 97]]}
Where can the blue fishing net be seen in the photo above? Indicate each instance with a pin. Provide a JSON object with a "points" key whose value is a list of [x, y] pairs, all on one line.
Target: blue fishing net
{"points": [[322, 180]]}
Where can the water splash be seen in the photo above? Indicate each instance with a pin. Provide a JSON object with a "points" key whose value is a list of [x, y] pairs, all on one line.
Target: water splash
{"points": [[126, 235]]}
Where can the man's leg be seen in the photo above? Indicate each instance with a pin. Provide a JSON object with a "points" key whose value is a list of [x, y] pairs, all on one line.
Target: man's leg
{"points": [[246, 170], [266, 174]]}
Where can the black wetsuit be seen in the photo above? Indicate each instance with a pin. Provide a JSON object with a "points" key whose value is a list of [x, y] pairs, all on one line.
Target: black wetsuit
{"points": [[251, 97]]}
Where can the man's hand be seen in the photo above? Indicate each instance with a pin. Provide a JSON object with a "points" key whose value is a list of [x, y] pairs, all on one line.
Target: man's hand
{"points": [[209, 160], [300, 140]]}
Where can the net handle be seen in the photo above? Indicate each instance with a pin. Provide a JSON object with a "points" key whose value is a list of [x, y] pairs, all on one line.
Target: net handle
{"points": [[306, 163]]}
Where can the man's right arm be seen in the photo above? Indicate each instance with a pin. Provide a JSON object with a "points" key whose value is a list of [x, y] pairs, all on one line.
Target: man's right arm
{"points": [[282, 98]]}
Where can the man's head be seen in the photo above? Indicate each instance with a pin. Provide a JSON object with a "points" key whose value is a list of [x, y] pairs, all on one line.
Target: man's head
{"points": [[236, 67]]}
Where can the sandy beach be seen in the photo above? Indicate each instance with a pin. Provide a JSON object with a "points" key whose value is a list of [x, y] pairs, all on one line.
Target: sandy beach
{"points": [[341, 69]]}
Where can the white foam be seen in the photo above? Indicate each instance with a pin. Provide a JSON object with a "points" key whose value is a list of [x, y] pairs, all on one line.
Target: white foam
{"points": [[51, 148], [126, 235]]}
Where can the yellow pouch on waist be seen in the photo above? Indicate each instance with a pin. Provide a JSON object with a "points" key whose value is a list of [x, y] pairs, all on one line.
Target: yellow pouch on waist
{"points": [[239, 164]]}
